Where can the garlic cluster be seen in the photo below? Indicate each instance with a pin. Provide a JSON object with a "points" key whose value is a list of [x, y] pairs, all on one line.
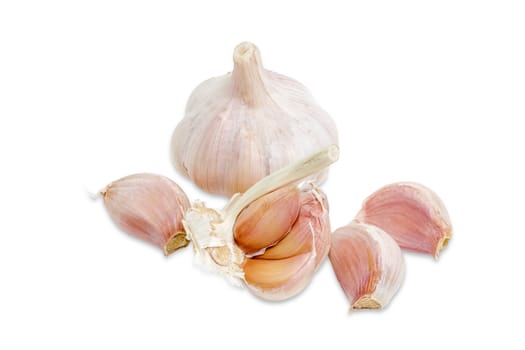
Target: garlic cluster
{"points": [[412, 214], [271, 238], [280, 267], [150, 207], [247, 124]]}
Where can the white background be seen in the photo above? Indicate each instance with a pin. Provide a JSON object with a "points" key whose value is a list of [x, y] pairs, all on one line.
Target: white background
{"points": [[432, 92]]}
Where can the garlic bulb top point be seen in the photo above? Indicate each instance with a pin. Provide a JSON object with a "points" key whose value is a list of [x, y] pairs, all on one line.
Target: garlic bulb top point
{"points": [[248, 74]]}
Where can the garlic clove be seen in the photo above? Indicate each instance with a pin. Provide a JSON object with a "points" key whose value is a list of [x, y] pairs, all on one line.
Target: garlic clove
{"points": [[312, 225], [278, 279], [267, 219], [412, 214], [368, 264], [150, 207], [247, 124], [297, 241]]}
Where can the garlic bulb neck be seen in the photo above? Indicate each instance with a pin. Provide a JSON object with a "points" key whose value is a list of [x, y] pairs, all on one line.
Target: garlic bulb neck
{"points": [[248, 74]]}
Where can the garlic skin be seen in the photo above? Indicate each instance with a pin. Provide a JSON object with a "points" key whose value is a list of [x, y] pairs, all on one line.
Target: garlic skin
{"points": [[283, 264], [247, 124], [412, 214], [368, 264], [150, 207]]}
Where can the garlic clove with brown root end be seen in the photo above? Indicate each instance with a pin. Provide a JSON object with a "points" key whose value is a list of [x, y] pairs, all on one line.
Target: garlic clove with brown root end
{"points": [[291, 250], [150, 207], [247, 124], [412, 214], [368, 264]]}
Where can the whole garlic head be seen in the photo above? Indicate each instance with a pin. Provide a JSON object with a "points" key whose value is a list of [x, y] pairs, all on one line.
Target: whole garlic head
{"points": [[247, 124]]}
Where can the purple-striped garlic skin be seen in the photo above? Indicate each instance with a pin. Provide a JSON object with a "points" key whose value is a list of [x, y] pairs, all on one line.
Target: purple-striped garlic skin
{"points": [[368, 264], [412, 214], [150, 207]]}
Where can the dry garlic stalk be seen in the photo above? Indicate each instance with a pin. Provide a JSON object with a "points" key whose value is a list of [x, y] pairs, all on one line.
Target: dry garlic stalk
{"points": [[247, 124], [412, 214], [149, 207], [368, 265], [272, 237]]}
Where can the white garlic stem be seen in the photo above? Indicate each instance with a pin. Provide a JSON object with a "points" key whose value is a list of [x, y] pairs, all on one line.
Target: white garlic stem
{"points": [[283, 177]]}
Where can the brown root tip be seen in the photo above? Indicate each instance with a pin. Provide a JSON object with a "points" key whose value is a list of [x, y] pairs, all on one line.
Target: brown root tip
{"points": [[104, 191], [177, 241], [443, 242], [367, 302]]}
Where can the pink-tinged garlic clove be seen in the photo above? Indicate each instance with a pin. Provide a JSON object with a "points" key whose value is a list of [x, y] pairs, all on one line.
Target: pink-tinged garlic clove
{"points": [[368, 264], [412, 214], [150, 207], [267, 219]]}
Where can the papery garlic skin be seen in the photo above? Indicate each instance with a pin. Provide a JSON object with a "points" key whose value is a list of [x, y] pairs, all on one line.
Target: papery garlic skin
{"points": [[288, 270], [247, 124], [412, 214], [368, 264], [150, 207]]}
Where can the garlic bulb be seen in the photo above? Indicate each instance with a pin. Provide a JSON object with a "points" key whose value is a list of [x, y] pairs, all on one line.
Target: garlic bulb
{"points": [[368, 265], [247, 124], [271, 238], [412, 214], [149, 207]]}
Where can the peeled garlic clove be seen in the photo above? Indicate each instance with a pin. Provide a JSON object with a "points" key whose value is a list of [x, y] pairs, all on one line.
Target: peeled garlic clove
{"points": [[412, 214], [150, 207], [297, 241], [278, 279], [266, 220], [311, 227], [368, 264], [247, 124]]}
